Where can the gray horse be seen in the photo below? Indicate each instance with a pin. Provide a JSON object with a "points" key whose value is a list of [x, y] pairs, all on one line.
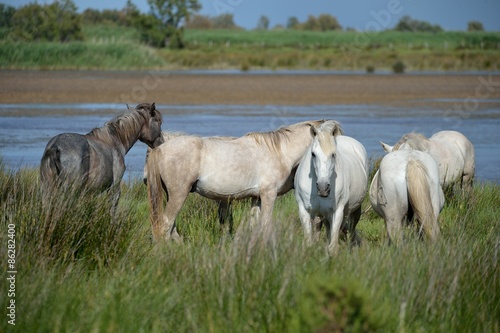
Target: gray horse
{"points": [[96, 161]]}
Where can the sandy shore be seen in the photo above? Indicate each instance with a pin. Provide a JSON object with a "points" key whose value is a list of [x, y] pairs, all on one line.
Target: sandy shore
{"points": [[276, 89]]}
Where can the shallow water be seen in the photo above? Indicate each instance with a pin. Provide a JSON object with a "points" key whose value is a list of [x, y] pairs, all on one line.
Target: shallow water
{"points": [[23, 138]]}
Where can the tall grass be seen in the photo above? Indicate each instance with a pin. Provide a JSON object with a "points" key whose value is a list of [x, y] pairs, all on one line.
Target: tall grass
{"points": [[80, 270]]}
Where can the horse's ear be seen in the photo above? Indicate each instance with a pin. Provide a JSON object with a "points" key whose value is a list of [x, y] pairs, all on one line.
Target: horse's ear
{"points": [[152, 110], [386, 147], [337, 130], [313, 130]]}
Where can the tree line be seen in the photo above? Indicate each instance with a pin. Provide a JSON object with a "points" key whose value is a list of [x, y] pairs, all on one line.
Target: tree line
{"points": [[162, 26]]}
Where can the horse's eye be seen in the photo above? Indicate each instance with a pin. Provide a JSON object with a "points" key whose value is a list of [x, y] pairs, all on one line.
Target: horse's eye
{"points": [[313, 155]]}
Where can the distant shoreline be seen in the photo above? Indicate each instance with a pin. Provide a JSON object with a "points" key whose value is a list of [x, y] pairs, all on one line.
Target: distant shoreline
{"points": [[262, 88]]}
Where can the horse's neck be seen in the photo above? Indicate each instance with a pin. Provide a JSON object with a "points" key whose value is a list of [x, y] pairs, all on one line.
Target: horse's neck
{"points": [[121, 138], [294, 148]]}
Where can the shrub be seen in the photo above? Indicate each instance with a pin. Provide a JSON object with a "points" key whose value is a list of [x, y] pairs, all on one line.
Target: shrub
{"points": [[58, 21], [399, 67]]}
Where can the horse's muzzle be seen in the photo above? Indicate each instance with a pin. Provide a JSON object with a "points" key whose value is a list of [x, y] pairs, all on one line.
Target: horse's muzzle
{"points": [[323, 189]]}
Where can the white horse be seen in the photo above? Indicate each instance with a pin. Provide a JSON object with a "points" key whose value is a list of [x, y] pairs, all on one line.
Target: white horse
{"points": [[331, 182], [406, 186], [223, 207], [453, 152], [260, 166]]}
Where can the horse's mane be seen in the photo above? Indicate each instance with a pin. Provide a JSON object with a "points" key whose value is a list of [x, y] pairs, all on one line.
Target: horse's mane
{"points": [[273, 139], [121, 128], [414, 140], [167, 135]]}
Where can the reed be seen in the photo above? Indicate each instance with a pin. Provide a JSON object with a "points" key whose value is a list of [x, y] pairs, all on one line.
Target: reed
{"points": [[80, 271]]}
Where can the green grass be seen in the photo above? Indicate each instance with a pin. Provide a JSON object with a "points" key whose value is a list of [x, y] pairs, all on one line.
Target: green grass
{"points": [[79, 270], [113, 47]]}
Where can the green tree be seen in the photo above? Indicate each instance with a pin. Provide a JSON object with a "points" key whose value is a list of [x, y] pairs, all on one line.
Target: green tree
{"points": [[292, 23], [168, 17], [406, 23], [6, 13], [327, 22], [475, 26], [224, 21], [58, 21], [311, 23], [199, 22], [324, 22], [263, 23]]}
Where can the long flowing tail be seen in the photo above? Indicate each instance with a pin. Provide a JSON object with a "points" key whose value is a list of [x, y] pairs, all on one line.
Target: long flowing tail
{"points": [[155, 196], [419, 194], [50, 167]]}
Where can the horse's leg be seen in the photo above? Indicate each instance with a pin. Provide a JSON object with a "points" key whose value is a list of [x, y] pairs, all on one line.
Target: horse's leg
{"points": [[335, 225], [115, 192], [267, 204], [255, 212], [318, 223], [353, 222], [305, 219], [174, 204], [394, 226], [225, 215]]}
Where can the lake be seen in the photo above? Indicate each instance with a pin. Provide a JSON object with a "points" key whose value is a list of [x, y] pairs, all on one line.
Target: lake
{"points": [[25, 129]]}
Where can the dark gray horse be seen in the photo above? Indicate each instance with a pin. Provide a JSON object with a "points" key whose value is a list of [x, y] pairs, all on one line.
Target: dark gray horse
{"points": [[96, 160]]}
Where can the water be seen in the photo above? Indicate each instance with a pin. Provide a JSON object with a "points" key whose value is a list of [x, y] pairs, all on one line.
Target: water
{"points": [[23, 138]]}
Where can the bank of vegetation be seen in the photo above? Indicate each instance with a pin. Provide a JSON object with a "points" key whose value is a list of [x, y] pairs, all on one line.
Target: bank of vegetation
{"points": [[79, 270], [127, 39], [32, 38]]}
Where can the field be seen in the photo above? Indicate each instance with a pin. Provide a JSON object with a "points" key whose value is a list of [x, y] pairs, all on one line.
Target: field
{"points": [[111, 47], [79, 270]]}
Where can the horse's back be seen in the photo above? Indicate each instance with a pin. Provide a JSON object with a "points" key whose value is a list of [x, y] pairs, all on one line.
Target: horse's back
{"points": [[179, 157], [393, 174], [455, 155], [355, 159], [66, 158]]}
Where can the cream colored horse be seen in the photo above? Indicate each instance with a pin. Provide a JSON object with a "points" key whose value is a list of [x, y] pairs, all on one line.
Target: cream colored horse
{"points": [[453, 152], [331, 182], [258, 165], [223, 207], [405, 186]]}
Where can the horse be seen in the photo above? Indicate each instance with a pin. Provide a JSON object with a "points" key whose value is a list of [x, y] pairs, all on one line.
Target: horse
{"points": [[223, 207], [331, 182], [258, 165], [406, 186], [453, 152], [96, 160]]}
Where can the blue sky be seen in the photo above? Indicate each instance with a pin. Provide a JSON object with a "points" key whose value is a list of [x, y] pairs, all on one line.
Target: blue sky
{"points": [[358, 14]]}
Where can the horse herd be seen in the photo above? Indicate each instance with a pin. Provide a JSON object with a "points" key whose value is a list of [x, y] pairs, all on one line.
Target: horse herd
{"points": [[327, 169]]}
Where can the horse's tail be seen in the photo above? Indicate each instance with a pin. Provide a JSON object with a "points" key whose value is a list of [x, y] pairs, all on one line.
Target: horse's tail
{"points": [[155, 189], [419, 196], [50, 166]]}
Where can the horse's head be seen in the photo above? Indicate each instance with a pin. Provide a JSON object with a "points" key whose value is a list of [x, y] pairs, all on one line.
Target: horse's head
{"points": [[323, 154], [151, 130], [412, 140]]}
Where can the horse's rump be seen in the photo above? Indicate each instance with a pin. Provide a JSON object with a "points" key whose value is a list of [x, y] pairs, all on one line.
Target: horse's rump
{"points": [[419, 197], [155, 187]]}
